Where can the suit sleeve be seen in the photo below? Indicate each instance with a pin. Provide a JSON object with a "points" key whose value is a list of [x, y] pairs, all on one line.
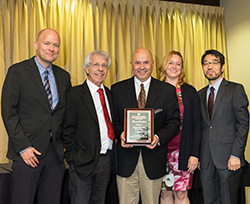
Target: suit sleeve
{"points": [[172, 119], [118, 127], [69, 85], [196, 124], [11, 94], [69, 124], [240, 106]]}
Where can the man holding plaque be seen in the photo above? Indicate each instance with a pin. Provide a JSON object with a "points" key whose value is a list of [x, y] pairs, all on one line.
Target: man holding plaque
{"points": [[141, 168]]}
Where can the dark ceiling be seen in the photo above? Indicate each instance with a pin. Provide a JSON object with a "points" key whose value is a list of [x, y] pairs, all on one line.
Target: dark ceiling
{"points": [[203, 2]]}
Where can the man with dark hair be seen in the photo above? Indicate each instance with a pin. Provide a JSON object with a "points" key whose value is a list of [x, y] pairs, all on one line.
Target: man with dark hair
{"points": [[225, 130], [216, 54], [33, 104]]}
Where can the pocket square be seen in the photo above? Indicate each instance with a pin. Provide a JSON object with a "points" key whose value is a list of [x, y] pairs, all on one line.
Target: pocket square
{"points": [[158, 110]]}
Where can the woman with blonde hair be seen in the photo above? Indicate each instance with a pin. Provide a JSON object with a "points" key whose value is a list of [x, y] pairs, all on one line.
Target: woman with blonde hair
{"points": [[183, 149]]}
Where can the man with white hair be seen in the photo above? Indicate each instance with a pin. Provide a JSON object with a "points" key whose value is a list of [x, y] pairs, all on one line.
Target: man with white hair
{"points": [[88, 132]]}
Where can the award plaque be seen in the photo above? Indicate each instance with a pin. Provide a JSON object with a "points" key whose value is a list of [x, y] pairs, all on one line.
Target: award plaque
{"points": [[139, 126]]}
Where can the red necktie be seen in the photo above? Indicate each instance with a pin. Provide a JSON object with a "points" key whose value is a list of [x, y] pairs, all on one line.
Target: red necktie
{"points": [[210, 104], [111, 134]]}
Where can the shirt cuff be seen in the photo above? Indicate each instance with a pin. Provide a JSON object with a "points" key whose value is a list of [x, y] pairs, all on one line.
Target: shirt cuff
{"points": [[234, 156], [158, 140], [24, 150]]}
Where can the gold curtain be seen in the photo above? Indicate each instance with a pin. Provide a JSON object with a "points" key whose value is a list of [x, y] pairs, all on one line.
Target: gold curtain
{"points": [[116, 26]]}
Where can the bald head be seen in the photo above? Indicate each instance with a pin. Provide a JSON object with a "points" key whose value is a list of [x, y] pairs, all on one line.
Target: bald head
{"points": [[142, 64], [47, 46], [46, 31], [142, 51]]}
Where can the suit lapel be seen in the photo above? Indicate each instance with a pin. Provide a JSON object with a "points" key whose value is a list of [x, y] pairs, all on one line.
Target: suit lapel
{"points": [[110, 103], [130, 93], [36, 78], [221, 91], [87, 98], [58, 80], [153, 94], [204, 102]]}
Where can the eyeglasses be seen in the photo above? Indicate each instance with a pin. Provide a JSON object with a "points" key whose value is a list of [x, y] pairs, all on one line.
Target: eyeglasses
{"points": [[212, 63], [97, 65]]}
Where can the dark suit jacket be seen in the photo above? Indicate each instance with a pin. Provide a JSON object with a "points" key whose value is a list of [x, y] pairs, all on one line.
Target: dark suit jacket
{"points": [[26, 113], [81, 132], [191, 127], [161, 96], [226, 133]]}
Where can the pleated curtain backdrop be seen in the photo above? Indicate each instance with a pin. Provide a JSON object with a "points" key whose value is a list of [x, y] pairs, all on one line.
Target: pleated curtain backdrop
{"points": [[116, 26]]}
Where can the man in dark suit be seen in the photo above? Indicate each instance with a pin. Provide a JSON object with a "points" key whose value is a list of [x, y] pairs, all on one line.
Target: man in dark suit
{"points": [[33, 104], [141, 168], [88, 132], [225, 130]]}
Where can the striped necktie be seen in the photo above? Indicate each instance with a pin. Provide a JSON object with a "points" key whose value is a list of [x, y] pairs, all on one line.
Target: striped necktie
{"points": [[47, 88]]}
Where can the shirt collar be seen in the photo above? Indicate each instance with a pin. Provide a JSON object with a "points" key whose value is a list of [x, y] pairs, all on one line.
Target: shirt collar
{"points": [[216, 85], [93, 88], [42, 69], [145, 83]]}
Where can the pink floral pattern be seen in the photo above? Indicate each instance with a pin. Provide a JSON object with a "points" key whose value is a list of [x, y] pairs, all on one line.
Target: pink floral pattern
{"points": [[176, 180]]}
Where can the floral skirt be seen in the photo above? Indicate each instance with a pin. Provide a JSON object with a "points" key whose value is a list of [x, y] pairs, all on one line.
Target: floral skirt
{"points": [[176, 180]]}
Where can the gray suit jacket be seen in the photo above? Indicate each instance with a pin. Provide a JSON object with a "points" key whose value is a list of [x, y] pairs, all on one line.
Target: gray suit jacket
{"points": [[226, 133]]}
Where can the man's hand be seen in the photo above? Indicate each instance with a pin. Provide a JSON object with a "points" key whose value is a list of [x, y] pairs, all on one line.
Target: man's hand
{"points": [[123, 141], [192, 164], [153, 143], [234, 164], [29, 157]]}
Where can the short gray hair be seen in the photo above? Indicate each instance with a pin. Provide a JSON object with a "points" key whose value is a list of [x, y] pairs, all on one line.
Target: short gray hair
{"points": [[101, 53]]}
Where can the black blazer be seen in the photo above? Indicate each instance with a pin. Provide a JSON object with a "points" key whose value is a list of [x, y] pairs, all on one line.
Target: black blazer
{"points": [[161, 96], [191, 127], [226, 133], [81, 132], [26, 113]]}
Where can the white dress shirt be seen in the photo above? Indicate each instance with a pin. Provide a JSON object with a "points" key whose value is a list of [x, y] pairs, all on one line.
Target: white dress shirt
{"points": [[106, 142], [146, 85]]}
